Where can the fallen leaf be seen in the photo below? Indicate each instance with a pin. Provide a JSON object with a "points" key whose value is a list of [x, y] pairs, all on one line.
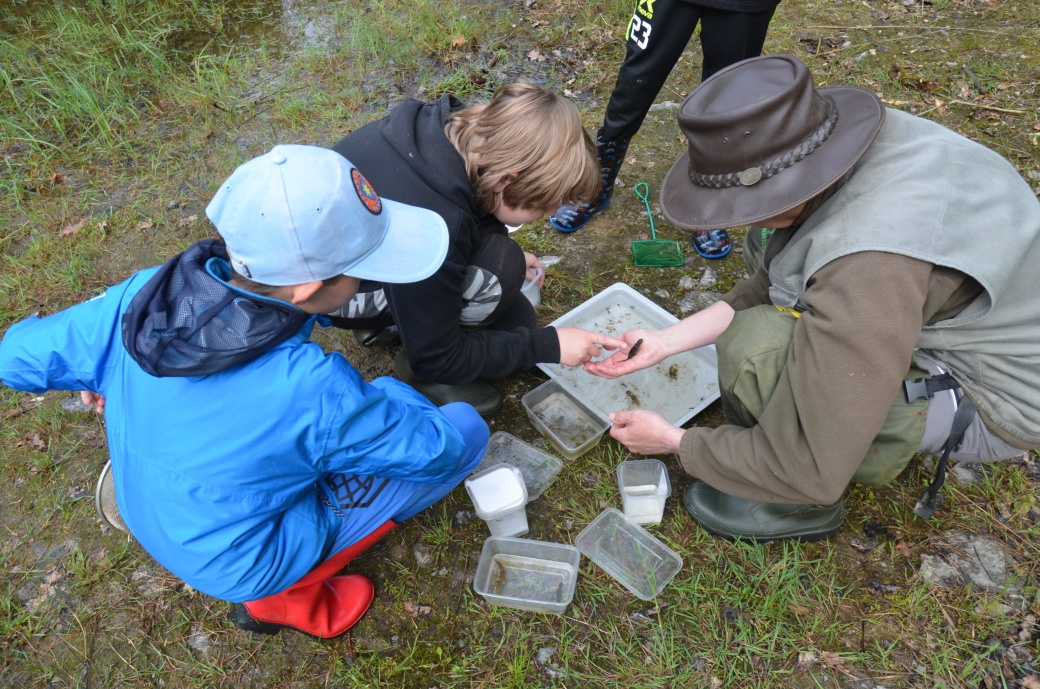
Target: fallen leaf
{"points": [[184, 222], [832, 659], [414, 609], [1031, 682], [73, 228], [536, 56], [12, 413], [145, 224], [799, 610], [903, 548], [32, 440], [459, 41], [806, 659], [57, 178]]}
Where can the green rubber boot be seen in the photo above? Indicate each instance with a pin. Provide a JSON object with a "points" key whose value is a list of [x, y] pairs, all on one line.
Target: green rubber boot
{"points": [[761, 522], [482, 396]]}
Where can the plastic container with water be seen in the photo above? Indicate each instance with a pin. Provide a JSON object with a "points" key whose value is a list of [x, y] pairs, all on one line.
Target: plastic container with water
{"points": [[530, 288], [629, 553], [570, 424], [499, 497], [645, 487], [527, 575]]}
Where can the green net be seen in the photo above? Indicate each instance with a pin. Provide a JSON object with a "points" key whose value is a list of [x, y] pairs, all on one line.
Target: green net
{"points": [[654, 252]]}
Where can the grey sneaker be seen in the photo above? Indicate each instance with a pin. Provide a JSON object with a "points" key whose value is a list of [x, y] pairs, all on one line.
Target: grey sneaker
{"points": [[739, 519]]}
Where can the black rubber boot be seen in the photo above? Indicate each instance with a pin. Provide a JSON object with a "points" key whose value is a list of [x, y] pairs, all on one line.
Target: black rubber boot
{"points": [[482, 396], [739, 519], [611, 155], [378, 337], [241, 618]]}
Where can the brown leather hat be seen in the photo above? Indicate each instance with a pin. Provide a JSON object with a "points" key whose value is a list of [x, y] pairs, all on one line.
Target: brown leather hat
{"points": [[762, 140]]}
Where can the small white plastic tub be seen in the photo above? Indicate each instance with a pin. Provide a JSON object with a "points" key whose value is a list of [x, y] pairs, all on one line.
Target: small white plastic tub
{"points": [[499, 497], [570, 424], [644, 486], [527, 575], [629, 553]]}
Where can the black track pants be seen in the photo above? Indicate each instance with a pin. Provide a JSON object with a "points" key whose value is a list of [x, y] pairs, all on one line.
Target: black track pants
{"points": [[657, 35]]}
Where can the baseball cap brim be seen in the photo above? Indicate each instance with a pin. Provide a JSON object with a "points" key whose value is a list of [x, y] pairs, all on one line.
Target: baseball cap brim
{"points": [[686, 205], [414, 247]]}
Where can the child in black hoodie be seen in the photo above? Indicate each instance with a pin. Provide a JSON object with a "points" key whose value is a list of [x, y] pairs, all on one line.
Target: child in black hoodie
{"points": [[482, 167]]}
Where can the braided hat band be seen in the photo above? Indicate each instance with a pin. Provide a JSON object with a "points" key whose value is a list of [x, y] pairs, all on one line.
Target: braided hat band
{"points": [[753, 175]]}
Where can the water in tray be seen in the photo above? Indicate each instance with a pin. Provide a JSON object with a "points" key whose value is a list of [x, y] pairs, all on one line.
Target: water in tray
{"points": [[514, 576], [566, 421]]}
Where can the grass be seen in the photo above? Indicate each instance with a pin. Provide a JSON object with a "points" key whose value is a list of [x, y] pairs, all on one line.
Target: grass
{"points": [[126, 114]]}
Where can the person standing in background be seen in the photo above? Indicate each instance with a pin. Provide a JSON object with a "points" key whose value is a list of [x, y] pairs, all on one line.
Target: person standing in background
{"points": [[657, 35]]}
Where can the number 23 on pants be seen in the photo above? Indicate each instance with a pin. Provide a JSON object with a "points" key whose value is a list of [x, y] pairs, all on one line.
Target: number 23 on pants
{"points": [[639, 31]]}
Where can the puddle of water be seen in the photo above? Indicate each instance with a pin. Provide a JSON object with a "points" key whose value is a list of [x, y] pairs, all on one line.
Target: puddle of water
{"points": [[292, 23]]}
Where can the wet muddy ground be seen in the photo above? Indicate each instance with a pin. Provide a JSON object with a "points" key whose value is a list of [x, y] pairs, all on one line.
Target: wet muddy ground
{"points": [[85, 607]]}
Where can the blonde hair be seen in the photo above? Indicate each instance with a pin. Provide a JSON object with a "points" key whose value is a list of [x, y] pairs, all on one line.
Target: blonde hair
{"points": [[533, 135]]}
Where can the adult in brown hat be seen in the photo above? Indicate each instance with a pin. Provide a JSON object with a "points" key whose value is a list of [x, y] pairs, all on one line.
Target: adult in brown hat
{"points": [[877, 324]]}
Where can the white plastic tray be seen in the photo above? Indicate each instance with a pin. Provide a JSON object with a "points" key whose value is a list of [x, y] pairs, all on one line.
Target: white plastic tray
{"points": [[678, 388]]}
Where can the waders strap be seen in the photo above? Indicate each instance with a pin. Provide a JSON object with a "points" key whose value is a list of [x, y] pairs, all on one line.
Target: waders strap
{"points": [[927, 505], [927, 387]]}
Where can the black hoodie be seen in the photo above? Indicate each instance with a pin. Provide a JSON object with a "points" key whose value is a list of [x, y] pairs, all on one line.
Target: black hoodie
{"points": [[407, 158]]}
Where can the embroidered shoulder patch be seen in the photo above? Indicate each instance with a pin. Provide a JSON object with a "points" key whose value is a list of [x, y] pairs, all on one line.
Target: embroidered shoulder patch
{"points": [[366, 193]]}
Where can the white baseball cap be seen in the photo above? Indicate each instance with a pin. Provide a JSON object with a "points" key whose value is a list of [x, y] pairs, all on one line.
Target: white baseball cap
{"points": [[298, 214]]}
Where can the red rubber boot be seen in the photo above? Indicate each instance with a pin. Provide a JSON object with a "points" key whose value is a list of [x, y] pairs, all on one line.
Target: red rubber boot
{"points": [[319, 604]]}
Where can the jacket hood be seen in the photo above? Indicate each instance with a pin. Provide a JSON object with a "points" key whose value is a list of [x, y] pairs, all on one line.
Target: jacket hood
{"points": [[416, 132], [186, 321]]}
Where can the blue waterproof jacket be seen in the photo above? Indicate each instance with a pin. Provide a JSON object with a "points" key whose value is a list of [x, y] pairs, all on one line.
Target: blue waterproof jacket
{"points": [[217, 474]]}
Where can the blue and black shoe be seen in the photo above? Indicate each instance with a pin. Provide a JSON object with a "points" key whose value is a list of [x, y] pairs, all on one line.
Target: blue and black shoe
{"points": [[711, 243], [611, 155]]}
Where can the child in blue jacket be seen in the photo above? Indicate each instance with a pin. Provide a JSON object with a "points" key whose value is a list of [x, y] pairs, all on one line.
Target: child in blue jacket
{"points": [[261, 502]]}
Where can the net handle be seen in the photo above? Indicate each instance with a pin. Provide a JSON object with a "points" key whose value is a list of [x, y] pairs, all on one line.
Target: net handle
{"points": [[642, 190]]}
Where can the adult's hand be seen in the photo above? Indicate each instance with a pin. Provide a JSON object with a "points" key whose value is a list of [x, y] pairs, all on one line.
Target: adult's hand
{"points": [[94, 399], [645, 432], [579, 346], [650, 351]]}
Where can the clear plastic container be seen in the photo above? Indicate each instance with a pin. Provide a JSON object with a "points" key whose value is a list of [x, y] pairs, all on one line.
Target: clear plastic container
{"points": [[629, 553], [530, 289], [527, 575], [644, 486], [538, 468], [499, 496], [572, 426]]}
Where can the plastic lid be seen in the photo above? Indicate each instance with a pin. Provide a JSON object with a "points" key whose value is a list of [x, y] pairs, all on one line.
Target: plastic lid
{"points": [[497, 491]]}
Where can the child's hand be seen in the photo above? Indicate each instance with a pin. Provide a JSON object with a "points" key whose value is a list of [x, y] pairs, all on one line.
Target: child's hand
{"points": [[642, 349], [94, 399], [579, 346], [534, 263]]}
